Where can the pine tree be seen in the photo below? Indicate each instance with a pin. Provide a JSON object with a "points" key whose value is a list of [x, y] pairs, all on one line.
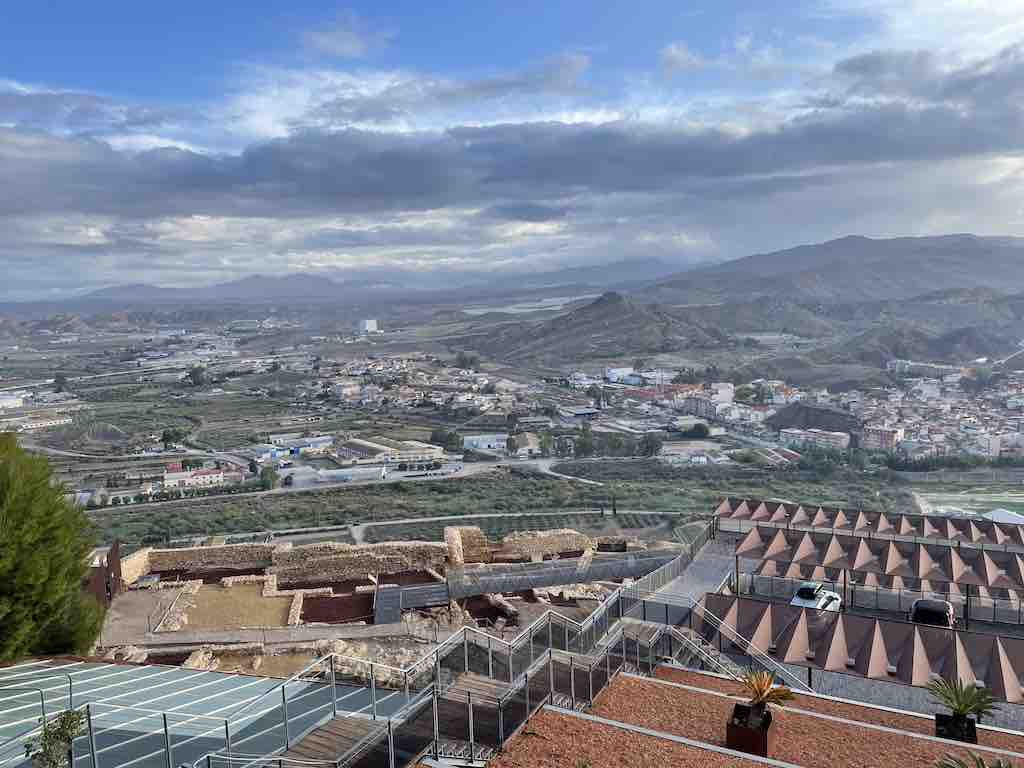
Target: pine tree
{"points": [[44, 542]]}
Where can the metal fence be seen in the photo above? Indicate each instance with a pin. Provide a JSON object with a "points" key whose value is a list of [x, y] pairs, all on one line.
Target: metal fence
{"points": [[554, 659], [996, 611], [744, 526]]}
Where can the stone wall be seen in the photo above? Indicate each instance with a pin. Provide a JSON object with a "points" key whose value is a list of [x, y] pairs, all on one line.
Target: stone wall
{"points": [[135, 565], [453, 540], [535, 545], [475, 547], [238, 556], [331, 561]]}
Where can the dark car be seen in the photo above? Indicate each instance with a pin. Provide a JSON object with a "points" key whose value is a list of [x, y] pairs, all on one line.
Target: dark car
{"points": [[935, 613]]}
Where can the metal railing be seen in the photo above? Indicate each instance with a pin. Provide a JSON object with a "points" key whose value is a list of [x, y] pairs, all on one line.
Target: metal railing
{"points": [[697, 608], [578, 657]]}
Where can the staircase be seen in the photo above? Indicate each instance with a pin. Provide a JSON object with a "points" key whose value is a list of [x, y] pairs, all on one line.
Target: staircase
{"points": [[697, 653]]}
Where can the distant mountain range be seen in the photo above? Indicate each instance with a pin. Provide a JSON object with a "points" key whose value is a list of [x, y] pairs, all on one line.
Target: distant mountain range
{"points": [[394, 284], [855, 269]]}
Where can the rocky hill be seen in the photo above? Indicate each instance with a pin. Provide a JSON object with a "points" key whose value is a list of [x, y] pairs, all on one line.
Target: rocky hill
{"points": [[611, 326]]}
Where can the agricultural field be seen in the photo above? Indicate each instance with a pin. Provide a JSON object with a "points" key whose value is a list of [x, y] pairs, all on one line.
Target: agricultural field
{"points": [[496, 528], [971, 500], [690, 494]]}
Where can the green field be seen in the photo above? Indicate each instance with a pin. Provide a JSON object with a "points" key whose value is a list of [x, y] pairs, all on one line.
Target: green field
{"points": [[691, 494]]}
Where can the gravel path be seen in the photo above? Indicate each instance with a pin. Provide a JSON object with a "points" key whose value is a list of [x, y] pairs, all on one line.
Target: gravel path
{"points": [[906, 722], [552, 740], [806, 740]]}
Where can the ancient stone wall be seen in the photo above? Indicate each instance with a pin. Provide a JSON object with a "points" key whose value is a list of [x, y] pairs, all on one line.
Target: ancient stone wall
{"points": [[135, 565], [535, 545], [453, 540], [475, 547], [239, 556], [331, 561]]}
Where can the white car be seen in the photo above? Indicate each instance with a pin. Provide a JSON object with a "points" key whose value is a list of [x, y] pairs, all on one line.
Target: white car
{"points": [[814, 595]]}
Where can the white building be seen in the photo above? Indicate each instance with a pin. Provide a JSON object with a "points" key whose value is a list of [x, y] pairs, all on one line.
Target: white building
{"points": [[818, 438], [497, 442], [195, 478], [11, 401], [369, 326]]}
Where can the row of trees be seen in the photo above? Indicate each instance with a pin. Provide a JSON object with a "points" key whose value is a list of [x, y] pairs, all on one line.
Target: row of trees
{"points": [[591, 443]]}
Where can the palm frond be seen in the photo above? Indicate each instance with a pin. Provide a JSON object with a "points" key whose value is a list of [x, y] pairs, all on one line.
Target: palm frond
{"points": [[963, 700], [762, 690], [972, 760]]}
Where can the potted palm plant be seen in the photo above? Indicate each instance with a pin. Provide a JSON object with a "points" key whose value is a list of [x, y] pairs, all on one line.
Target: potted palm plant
{"points": [[966, 704], [971, 761], [749, 728]]}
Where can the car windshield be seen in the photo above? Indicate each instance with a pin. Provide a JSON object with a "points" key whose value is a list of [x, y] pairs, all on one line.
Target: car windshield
{"points": [[933, 616]]}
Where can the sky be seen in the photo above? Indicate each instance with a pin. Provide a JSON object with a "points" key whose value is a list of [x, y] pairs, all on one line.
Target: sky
{"points": [[206, 141]]}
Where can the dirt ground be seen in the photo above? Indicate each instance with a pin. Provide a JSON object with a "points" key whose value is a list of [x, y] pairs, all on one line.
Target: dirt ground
{"points": [[281, 665], [801, 739], [551, 740], [216, 607]]}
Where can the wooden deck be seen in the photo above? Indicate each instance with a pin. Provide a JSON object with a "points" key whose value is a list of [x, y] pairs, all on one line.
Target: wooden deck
{"points": [[482, 688], [334, 739]]}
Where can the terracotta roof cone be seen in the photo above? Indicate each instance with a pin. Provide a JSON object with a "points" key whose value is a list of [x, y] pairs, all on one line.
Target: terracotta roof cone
{"points": [[800, 517], [742, 511], [862, 523], [806, 551], [998, 535], [841, 520], [884, 524], [821, 519], [751, 543], [761, 513], [926, 566], [930, 530], [779, 547], [836, 555], [724, 509], [975, 532], [876, 655], [995, 576], [795, 643], [907, 527], [871, 579], [794, 571], [961, 572], [781, 514], [838, 651], [864, 557], [914, 667]]}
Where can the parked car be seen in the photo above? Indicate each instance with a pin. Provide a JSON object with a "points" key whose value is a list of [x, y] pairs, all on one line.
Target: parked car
{"points": [[936, 613], [811, 594]]}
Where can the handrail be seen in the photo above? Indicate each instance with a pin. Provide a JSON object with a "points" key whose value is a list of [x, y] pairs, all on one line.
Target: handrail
{"points": [[696, 647], [734, 636], [59, 675]]}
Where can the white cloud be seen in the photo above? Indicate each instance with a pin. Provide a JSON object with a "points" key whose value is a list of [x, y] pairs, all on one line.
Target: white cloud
{"points": [[973, 27], [348, 37], [677, 57]]}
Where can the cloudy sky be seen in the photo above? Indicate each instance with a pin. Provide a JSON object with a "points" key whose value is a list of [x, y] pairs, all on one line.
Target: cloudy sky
{"points": [[212, 140]]}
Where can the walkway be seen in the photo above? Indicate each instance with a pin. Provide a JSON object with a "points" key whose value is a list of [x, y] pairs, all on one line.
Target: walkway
{"points": [[712, 565]]}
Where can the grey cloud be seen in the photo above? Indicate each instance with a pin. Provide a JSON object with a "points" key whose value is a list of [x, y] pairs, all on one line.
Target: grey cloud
{"points": [[77, 112], [923, 75], [526, 211], [618, 187], [560, 74]]}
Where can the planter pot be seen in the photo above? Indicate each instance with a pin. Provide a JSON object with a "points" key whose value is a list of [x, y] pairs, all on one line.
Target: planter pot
{"points": [[739, 735], [956, 728]]}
